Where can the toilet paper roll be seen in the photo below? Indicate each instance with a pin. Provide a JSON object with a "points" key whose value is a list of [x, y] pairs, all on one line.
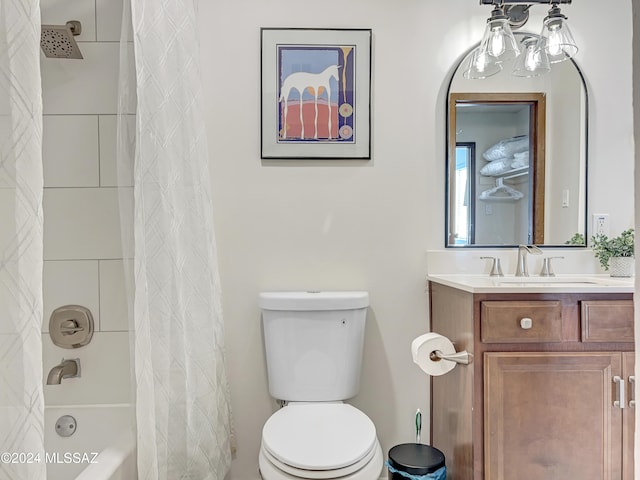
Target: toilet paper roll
{"points": [[424, 345]]}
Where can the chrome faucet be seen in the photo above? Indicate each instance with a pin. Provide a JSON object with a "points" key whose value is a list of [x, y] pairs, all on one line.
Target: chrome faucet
{"points": [[521, 267], [67, 369]]}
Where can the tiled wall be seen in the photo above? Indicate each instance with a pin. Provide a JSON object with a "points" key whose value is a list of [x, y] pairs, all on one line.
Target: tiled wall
{"points": [[82, 247]]}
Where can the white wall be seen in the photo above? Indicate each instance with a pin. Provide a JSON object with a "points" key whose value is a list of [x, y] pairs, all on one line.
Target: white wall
{"points": [[367, 224], [609, 83], [323, 224]]}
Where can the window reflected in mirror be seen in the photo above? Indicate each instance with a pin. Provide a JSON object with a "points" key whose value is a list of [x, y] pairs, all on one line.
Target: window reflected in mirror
{"points": [[464, 191]]}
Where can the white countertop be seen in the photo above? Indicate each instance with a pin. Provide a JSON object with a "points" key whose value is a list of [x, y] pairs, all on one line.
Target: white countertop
{"points": [[585, 283]]}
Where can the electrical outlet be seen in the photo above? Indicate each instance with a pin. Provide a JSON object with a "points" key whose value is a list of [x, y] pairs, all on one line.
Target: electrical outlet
{"points": [[600, 224]]}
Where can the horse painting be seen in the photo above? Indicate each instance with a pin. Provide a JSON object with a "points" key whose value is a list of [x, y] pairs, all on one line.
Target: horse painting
{"points": [[316, 84]]}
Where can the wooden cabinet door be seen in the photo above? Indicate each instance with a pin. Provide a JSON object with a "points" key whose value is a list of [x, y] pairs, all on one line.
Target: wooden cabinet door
{"points": [[628, 417], [551, 416]]}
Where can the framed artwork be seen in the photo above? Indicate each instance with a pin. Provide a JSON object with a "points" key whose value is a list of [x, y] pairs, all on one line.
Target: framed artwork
{"points": [[316, 93]]}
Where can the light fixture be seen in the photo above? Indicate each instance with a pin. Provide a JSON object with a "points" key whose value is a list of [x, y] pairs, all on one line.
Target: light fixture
{"points": [[555, 43], [498, 41], [533, 61], [480, 66], [556, 38]]}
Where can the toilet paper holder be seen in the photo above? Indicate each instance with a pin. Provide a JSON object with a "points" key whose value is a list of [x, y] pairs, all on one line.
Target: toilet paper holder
{"points": [[463, 357]]}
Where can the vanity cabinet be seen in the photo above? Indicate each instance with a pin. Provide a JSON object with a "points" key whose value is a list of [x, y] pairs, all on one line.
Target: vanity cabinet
{"points": [[548, 394]]}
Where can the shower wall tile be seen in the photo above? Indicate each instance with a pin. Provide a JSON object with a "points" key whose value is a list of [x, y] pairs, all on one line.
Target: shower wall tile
{"points": [[87, 86], [109, 20], [70, 150], [70, 282], [82, 249], [59, 12], [115, 275], [104, 371], [108, 150], [81, 223]]}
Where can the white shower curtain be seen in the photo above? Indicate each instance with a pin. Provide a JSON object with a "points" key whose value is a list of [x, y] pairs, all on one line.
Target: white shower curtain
{"points": [[182, 398], [21, 221]]}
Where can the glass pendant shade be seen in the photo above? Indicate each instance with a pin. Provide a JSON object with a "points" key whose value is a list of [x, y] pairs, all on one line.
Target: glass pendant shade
{"points": [[556, 37], [532, 62], [498, 40], [481, 65]]}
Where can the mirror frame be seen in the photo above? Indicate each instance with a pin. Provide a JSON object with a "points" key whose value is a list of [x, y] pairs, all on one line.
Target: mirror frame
{"points": [[450, 150]]}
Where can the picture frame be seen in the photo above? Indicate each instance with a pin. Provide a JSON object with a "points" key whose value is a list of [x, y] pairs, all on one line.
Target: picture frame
{"points": [[315, 93]]}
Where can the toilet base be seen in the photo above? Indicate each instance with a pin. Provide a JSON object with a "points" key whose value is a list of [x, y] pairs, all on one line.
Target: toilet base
{"points": [[371, 471]]}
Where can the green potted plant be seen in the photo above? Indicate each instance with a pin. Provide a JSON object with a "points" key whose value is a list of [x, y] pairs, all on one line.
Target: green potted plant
{"points": [[577, 239], [615, 254]]}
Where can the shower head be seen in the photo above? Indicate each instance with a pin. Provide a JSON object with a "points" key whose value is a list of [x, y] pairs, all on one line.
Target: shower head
{"points": [[57, 40]]}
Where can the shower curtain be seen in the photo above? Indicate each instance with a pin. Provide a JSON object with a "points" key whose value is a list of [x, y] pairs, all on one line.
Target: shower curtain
{"points": [[21, 243], [182, 397]]}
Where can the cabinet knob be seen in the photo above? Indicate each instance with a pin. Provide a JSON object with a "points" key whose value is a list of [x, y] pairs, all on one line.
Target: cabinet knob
{"points": [[526, 323]]}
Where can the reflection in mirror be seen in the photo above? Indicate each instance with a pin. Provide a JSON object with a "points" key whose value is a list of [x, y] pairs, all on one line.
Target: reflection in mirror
{"points": [[517, 156], [509, 128]]}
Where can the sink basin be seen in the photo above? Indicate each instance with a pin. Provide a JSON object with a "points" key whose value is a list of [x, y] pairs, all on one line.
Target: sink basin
{"points": [[554, 280]]}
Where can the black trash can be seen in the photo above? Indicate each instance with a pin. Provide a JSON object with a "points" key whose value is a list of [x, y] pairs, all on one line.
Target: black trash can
{"points": [[414, 459]]}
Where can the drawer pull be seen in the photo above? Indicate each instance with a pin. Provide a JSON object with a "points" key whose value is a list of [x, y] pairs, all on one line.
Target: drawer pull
{"points": [[526, 323], [632, 401], [620, 401]]}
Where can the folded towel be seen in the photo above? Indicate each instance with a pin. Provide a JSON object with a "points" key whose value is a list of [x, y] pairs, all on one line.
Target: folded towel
{"points": [[497, 167], [520, 162]]}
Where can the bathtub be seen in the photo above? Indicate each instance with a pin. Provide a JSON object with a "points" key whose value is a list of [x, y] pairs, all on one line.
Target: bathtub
{"points": [[102, 447]]}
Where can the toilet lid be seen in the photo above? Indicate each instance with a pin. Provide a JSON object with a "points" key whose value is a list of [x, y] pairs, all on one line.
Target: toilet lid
{"points": [[319, 436]]}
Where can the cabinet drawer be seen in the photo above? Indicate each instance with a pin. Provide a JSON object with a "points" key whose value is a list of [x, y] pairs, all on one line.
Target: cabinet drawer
{"points": [[607, 320], [521, 321]]}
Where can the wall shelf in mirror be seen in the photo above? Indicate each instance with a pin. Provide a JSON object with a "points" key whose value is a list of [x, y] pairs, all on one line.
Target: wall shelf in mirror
{"points": [[514, 173]]}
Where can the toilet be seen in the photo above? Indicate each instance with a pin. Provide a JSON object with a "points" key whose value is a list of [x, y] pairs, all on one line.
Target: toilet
{"points": [[313, 344]]}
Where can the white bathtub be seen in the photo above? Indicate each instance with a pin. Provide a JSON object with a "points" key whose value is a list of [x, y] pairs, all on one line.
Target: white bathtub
{"points": [[102, 447]]}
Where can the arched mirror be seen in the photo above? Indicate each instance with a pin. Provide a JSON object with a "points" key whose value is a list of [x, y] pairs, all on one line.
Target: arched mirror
{"points": [[517, 158]]}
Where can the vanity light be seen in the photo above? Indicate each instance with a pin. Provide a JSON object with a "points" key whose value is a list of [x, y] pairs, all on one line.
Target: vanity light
{"points": [[481, 66], [533, 61], [499, 45], [498, 41], [556, 38]]}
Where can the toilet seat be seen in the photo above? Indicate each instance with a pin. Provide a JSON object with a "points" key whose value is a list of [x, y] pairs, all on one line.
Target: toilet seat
{"points": [[277, 471], [319, 440]]}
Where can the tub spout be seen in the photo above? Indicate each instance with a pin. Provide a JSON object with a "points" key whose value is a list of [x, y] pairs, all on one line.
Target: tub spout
{"points": [[67, 369]]}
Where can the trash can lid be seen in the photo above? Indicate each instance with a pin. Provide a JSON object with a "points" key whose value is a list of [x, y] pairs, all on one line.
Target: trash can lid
{"points": [[416, 458]]}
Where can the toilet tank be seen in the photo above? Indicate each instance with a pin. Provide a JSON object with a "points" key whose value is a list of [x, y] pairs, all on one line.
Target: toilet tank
{"points": [[313, 344]]}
